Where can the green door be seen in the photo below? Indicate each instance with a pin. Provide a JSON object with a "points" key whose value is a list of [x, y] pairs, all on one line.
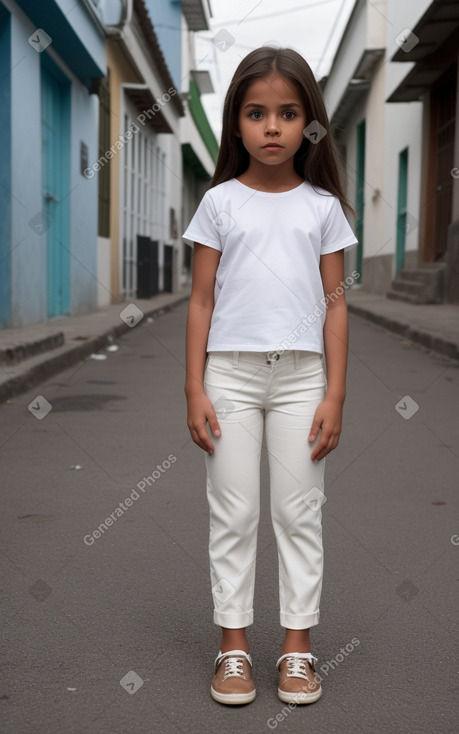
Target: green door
{"points": [[55, 124], [360, 195], [401, 209]]}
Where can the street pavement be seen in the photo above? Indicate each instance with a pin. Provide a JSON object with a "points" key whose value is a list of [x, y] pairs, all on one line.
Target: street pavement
{"points": [[111, 631]]}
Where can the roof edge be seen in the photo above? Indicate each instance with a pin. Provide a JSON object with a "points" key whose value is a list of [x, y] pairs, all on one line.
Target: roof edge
{"points": [[148, 30]]}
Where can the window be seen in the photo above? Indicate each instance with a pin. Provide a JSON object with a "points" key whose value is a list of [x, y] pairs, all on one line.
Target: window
{"points": [[144, 197]]}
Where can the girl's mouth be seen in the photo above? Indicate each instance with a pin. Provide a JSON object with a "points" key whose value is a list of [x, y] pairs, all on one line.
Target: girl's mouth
{"points": [[272, 145]]}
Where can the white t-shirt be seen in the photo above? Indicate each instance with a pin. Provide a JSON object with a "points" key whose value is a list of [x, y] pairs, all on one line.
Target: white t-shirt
{"points": [[268, 290]]}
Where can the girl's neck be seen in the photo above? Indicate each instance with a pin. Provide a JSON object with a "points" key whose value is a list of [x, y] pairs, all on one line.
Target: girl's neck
{"points": [[270, 179]]}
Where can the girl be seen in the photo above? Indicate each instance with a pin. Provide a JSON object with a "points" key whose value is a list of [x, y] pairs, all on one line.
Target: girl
{"points": [[267, 304]]}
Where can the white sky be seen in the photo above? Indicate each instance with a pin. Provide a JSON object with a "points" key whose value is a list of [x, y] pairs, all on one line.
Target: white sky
{"points": [[312, 27]]}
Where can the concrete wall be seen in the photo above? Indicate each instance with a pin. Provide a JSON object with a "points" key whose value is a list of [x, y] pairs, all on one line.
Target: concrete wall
{"points": [[389, 129], [83, 201], [403, 125], [375, 159], [403, 129], [348, 55]]}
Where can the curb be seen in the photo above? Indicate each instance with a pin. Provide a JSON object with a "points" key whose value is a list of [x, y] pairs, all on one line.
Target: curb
{"points": [[424, 338], [52, 365], [18, 352]]}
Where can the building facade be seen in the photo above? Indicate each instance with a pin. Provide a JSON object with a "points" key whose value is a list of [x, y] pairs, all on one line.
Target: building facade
{"points": [[102, 143], [49, 117], [389, 131], [145, 126], [426, 59], [139, 163]]}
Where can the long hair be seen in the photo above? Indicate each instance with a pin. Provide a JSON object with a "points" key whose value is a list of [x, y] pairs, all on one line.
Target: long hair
{"points": [[316, 163]]}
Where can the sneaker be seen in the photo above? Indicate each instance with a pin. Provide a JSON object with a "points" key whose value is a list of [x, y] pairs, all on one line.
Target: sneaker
{"points": [[232, 683], [297, 680]]}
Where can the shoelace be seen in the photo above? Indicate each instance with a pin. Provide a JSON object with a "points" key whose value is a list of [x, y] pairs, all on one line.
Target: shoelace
{"points": [[296, 668], [233, 667]]}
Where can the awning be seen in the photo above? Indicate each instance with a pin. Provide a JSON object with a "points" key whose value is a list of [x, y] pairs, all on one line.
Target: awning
{"points": [[191, 161], [439, 21], [196, 13], [357, 86], [141, 96], [203, 81], [437, 38]]}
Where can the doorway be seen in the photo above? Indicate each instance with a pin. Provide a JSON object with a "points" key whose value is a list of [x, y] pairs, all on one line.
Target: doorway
{"points": [[55, 125]]}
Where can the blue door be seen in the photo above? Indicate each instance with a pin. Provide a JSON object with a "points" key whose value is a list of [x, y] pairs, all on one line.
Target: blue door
{"points": [[401, 210], [55, 119]]}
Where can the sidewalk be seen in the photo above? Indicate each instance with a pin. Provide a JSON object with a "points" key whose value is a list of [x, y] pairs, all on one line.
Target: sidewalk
{"points": [[434, 326], [31, 354]]}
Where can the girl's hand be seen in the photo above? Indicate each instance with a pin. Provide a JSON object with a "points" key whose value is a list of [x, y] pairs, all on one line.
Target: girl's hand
{"points": [[328, 420], [201, 410]]}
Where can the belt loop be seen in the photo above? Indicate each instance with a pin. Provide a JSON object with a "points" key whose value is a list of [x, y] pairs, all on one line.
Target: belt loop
{"points": [[296, 354], [235, 359]]}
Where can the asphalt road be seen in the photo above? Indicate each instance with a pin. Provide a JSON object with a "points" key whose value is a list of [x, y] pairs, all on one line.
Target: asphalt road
{"points": [[112, 632]]}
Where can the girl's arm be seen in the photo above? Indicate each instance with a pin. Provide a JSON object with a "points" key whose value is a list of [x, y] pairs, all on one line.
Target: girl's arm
{"points": [[200, 409], [329, 414]]}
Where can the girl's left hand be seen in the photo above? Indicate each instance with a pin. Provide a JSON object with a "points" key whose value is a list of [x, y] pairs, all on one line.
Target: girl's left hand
{"points": [[328, 420]]}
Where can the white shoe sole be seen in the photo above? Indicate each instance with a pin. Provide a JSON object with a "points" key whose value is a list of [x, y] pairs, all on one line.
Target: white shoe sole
{"points": [[300, 697], [233, 699]]}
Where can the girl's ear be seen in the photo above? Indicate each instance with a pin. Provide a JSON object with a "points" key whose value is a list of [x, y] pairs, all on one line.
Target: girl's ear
{"points": [[237, 133]]}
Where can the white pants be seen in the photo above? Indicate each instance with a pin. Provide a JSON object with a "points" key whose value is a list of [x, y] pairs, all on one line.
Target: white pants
{"points": [[250, 390]]}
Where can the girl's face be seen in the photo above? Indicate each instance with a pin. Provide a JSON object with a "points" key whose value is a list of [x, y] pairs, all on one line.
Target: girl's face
{"points": [[271, 120]]}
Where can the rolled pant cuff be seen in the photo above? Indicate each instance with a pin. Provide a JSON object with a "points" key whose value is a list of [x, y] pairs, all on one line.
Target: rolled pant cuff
{"points": [[233, 620], [299, 621]]}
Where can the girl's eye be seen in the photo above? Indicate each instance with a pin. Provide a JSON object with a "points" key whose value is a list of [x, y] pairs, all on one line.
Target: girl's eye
{"points": [[289, 114], [254, 113]]}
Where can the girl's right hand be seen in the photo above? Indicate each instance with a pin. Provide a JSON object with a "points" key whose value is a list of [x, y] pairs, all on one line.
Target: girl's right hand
{"points": [[201, 410]]}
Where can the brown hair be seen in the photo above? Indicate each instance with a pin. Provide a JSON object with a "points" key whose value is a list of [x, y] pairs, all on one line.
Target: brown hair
{"points": [[316, 163]]}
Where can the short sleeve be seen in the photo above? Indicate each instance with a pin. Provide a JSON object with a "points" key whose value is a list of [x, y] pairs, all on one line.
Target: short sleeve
{"points": [[204, 227], [337, 233]]}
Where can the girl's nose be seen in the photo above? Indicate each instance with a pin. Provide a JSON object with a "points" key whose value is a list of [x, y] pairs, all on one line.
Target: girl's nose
{"points": [[272, 125]]}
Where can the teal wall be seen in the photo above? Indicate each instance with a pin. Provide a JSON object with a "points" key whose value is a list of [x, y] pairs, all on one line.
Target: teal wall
{"points": [[5, 170]]}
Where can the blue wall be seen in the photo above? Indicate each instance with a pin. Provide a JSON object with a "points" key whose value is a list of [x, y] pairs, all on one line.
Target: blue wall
{"points": [[166, 18], [5, 170], [23, 271], [28, 259]]}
